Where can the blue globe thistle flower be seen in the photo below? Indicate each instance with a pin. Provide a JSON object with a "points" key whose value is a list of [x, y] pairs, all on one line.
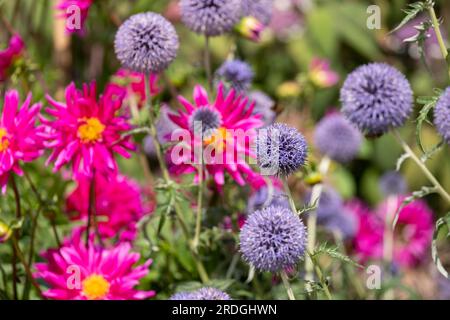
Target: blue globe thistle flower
{"points": [[183, 296], [281, 150], [209, 293], [235, 74], [273, 239], [342, 222], [146, 42], [337, 138], [330, 202], [210, 17], [442, 115], [263, 106], [209, 119], [260, 9], [393, 183], [265, 197], [376, 97]]}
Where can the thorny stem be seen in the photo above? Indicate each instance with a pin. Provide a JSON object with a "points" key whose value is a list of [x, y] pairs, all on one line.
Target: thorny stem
{"points": [[312, 224], [165, 173], [287, 285], [319, 274], [439, 188]]}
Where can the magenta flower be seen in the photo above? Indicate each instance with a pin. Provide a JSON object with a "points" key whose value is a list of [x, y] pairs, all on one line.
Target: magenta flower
{"points": [[86, 132], [118, 205], [412, 237], [20, 138], [75, 12], [227, 130], [8, 55], [73, 272], [133, 84], [321, 74]]}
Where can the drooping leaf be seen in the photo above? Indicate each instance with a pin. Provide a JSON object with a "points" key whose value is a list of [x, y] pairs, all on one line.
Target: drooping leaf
{"points": [[442, 224], [423, 192]]}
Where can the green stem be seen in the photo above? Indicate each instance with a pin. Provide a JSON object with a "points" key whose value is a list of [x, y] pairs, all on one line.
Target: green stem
{"points": [[16, 234], [165, 173], [440, 189], [208, 63], [437, 30], [198, 223], [289, 195], [321, 277], [287, 285]]}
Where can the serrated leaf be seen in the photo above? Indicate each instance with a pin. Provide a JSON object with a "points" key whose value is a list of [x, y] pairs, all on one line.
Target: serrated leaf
{"points": [[423, 192], [428, 104], [443, 222], [334, 253], [411, 11], [425, 157], [400, 161]]}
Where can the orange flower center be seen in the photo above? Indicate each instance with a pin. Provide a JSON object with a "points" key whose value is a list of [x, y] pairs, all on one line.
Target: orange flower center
{"points": [[91, 130], [218, 138], [4, 141], [95, 287]]}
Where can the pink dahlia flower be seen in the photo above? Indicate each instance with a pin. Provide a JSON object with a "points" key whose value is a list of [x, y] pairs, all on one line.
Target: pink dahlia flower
{"points": [[20, 138], [73, 272], [118, 205], [321, 74], [133, 84], [8, 55], [412, 235], [87, 132], [223, 129], [75, 12]]}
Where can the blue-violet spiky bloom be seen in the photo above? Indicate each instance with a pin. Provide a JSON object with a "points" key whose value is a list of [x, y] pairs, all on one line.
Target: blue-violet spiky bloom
{"points": [[273, 239], [281, 150], [260, 9], [393, 183], [209, 293], [343, 222], [183, 296], [210, 17], [376, 97], [330, 202], [263, 106], [337, 138], [146, 42], [235, 74], [442, 115]]}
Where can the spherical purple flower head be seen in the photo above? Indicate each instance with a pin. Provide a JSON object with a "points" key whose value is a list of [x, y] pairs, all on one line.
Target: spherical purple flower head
{"points": [[273, 239], [260, 9], [207, 119], [183, 296], [210, 17], [442, 115], [265, 197], [281, 150], [337, 138], [393, 183], [209, 293], [235, 74], [263, 106], [330, 202], [146, 42], [376, 97], [342, 222]]}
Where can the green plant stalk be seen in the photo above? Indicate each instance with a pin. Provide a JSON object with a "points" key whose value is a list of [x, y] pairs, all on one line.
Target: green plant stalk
{"points": [[165, 173], [321, 278], [312, 224], [208, 63], [289, 195], [440, 189], [16, 234], [437, 31], [287, 285], [198, 223]]}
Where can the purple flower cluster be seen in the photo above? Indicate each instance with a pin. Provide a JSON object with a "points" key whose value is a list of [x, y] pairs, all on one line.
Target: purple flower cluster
{"points": [[206, 293], [273, 239], [146, 42], [235, 74], [259, 9], [263, 106], [376, 97], [442, 115], [393, 183]]}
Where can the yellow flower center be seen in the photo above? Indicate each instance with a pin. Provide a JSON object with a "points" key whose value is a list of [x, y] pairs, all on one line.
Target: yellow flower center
{"points": [[4, 142], [218, 138], [91, 130], [95, 287]]}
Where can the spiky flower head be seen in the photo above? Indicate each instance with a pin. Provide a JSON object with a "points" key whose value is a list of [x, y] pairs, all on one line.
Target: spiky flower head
{"points": [[260, 9], [146, 42], [337, 138], [273, 239], [183, 296], [376, 97], [393, 183], [442, 115], [210, 17], [330, 201], [206, 293], [235, 74], [281, 149], [263, 106]]}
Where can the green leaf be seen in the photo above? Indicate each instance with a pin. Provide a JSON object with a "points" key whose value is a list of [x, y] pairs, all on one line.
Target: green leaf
{"points": [[423, 192], [428, 104], [411, 12], [441, 224], [400, 161], [334, 253], [425, 157]]}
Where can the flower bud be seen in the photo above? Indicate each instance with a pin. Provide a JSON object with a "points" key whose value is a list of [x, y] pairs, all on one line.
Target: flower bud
{"points": [[250, 28], [5, 232]]}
